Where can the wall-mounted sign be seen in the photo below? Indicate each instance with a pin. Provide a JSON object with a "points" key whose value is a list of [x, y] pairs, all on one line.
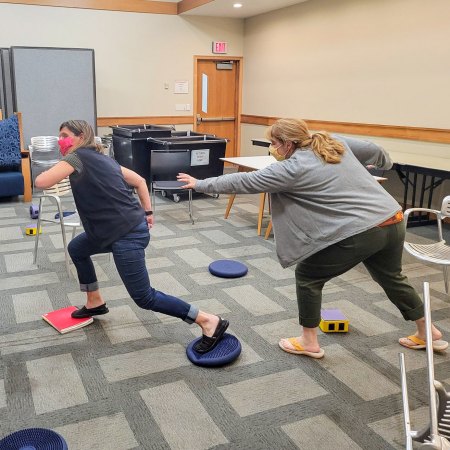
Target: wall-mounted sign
{"points": [[220, 47], [181, 87]]}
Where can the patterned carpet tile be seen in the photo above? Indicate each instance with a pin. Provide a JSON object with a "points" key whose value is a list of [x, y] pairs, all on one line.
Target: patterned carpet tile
{"points": [[124, 382]]}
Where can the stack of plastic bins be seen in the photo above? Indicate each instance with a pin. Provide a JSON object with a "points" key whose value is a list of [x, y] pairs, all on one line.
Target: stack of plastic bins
{"points": [[131, 149], [206, 151]]}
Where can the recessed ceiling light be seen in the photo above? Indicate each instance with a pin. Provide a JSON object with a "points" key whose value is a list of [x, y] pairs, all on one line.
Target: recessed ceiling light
{"points": [[237, 5]]}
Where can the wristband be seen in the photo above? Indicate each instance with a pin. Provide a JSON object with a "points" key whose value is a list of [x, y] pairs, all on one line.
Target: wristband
{"points": [[149, 213]]}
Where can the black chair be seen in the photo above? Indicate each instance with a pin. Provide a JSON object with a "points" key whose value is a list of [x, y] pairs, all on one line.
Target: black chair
{"points": [[164, 168]]}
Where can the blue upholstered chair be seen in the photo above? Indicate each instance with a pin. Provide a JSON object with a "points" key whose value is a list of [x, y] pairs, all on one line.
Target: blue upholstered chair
{"points": [[15, 173]]}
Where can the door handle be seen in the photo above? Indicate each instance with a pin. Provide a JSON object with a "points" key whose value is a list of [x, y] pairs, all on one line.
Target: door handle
{"points": [[213, 119]]}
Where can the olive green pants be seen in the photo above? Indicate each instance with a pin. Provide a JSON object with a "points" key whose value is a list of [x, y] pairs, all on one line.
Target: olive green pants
{"points": [[380, 249]]}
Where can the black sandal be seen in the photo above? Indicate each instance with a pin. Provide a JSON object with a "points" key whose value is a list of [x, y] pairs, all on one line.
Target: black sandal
{"points": [[89, 312], [207, 343]]}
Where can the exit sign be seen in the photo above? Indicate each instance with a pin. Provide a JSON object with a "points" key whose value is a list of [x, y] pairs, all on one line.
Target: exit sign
{"points": [[219, 47]]}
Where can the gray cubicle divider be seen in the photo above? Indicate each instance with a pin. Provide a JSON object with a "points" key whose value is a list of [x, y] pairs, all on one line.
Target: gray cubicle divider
{"points": [[52, 85], [6, 88]]}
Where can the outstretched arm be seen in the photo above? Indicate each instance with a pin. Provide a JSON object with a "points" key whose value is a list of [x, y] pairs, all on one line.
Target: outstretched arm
{"points": [[185, 178]]}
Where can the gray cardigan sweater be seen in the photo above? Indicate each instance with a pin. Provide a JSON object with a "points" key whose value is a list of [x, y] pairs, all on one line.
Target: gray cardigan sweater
{"points": [[315, 204]]}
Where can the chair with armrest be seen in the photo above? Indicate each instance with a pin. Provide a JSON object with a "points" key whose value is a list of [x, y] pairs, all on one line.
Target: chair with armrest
{"points": [[437, 252], [53, 194], [15, 171], [164, 167]]}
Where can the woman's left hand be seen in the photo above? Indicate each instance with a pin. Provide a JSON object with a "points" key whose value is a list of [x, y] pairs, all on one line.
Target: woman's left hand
{"points": [[149, 220], [185, 178]]}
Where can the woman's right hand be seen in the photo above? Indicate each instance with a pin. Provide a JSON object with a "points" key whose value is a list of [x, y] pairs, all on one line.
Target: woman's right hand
{"points": [[185, 178]]}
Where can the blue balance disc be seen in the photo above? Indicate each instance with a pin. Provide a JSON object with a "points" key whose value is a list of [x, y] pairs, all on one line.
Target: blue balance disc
{"points": [[228, 268], [33, 439], [225, 352]]}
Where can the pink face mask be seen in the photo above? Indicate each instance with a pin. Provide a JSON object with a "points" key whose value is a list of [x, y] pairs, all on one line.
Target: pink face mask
{"points": [[65, 144]]}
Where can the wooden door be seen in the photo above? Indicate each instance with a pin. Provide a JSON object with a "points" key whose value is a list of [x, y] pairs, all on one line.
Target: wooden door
{"points": [[217, 100]]}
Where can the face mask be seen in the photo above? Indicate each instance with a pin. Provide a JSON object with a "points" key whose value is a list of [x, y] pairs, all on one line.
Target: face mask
{"points": [[274, 152], [65, 144]]}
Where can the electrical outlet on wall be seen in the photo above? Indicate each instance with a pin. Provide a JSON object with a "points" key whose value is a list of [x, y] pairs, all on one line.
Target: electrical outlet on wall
{"points": [[182, 107]]}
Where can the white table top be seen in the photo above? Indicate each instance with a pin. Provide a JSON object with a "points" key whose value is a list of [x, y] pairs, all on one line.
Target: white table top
{"points": [[251, 162], [413, 158], [261, 162]]}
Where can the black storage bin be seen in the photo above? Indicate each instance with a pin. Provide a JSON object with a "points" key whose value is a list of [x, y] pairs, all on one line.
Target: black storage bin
{"points": [[131, 149], [206, 152]]}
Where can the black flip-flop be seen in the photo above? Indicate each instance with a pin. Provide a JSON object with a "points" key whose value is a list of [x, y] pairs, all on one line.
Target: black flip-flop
{"points": [[89, 312], [207, 343]]}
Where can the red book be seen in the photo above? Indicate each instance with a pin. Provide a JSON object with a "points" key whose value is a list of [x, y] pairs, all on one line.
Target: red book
{"points": [[62, 320]]}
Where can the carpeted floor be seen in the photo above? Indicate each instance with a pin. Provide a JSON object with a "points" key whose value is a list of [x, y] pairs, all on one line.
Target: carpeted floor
{"points": [[124, 382]]}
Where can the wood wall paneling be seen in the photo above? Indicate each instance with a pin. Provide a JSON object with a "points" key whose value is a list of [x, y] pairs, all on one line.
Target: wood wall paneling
{"points": [[140, 6], [390, 131]]}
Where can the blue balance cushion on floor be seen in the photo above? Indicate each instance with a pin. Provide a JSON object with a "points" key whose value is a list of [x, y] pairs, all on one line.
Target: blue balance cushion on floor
{"points": [[228, 268], [33, 439], [226, 351]]}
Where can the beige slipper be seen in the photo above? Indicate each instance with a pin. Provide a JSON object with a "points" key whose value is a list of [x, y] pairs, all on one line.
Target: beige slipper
{"points": [[418, 344], [299, 350]]}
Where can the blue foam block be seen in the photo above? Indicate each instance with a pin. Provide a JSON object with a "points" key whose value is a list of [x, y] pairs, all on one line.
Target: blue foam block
{"points": [[34, 438], [225, 352], [34, 211], [228, 268]]}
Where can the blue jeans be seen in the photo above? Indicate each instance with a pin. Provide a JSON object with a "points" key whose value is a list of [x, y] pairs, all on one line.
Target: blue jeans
{"points": [[129, 257]]}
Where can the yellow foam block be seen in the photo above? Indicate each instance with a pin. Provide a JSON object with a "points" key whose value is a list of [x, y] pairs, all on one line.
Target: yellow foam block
{"points": [[30, 230], [334, 326]]}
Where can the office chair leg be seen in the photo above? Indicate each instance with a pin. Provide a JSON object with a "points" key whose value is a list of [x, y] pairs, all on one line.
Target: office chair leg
{"points": [[36, 239], [190, 207]]}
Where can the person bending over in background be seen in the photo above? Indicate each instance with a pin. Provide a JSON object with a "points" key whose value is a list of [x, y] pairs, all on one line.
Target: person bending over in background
{"points": [[114, 221], [329, 214]]}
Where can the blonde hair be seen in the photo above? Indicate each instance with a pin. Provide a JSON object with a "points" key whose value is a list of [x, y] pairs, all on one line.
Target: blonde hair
{"points": [[81, 127], [295, 130]]}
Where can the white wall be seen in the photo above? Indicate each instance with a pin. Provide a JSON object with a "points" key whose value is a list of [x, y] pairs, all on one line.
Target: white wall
{"points": [[135, 53], [381, 62], [366, 61]]}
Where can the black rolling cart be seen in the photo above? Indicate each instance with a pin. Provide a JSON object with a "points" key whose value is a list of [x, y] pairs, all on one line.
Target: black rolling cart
{"points": [[206, 152], [131, 149]]}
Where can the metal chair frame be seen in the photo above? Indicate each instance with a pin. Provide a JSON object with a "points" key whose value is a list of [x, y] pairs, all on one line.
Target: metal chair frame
{"points": [[437, 252], [436, 436], [54, 193]]}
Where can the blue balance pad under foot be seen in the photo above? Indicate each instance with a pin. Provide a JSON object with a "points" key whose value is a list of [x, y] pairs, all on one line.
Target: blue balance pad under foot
{"points": [[225, 352]]}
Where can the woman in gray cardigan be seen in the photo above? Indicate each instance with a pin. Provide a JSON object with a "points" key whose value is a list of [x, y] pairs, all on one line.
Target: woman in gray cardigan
{"points": [[329, 214]]}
